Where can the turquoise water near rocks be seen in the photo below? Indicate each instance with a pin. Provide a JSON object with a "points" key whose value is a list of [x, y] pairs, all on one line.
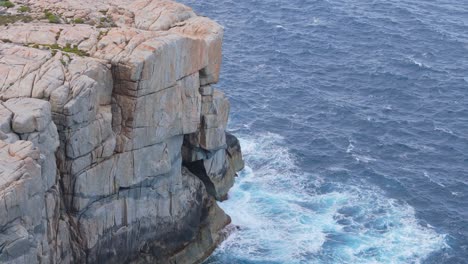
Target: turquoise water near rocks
{"points": [[353, 119]]}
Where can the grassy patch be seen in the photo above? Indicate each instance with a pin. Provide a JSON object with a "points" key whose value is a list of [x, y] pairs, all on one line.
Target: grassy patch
{"points": [[10, 19], [6, 4], [53, 18], [78, 21], [68, 48], [56, 47], [102, 33], [105, 22], [24, 9]]}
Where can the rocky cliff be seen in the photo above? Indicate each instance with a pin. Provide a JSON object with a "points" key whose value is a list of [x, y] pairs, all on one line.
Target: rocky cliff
{"points": [[112, 140]]}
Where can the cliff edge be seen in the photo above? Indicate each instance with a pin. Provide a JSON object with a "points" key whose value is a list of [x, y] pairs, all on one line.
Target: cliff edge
{"points": [[113, 143]]}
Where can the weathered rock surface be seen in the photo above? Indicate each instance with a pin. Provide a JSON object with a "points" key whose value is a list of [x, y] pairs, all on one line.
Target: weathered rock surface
{"points": [[113, 143]]}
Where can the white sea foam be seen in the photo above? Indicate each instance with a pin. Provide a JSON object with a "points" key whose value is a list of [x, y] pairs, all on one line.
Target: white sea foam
{"points": [[350, 146], [363, 158], [316, 21], [420, 64], [282, 221], [432, 180], [387, 107], [417, 62], [356, 156], [443, 129], [259, 67]]}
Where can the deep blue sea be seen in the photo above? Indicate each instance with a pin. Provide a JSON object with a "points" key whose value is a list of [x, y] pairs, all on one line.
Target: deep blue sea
{"points": [[353, 119]]}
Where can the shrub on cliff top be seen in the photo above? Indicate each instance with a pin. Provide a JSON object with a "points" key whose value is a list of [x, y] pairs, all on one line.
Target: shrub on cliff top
{"points": [[78, 21], [9, 19], [6, 4], [52, 17], [74, 50], [68, 48], [24, 9]]}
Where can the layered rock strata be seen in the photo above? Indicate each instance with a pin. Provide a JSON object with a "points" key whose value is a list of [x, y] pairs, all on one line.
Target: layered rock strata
{"points": [[112, 138]]}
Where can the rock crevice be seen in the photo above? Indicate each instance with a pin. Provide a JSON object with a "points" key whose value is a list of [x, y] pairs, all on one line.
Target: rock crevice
{"points": [[113, 143]]}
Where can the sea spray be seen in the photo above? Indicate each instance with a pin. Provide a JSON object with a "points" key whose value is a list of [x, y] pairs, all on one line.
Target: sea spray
{"points": [[279, 221]]}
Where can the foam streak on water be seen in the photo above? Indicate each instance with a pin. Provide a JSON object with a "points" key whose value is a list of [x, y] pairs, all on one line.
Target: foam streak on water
{"points": [[282, 222]]}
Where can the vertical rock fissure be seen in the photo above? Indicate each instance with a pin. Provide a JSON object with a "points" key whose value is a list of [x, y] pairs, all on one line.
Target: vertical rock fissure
{"points": [[199, 170]]}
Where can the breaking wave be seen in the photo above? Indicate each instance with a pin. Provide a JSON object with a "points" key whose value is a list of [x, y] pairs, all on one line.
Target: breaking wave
{"points": [[279, 220]]}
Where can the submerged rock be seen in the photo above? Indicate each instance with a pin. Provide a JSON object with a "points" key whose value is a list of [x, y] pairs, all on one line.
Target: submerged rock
{"points": [[98, 122]]}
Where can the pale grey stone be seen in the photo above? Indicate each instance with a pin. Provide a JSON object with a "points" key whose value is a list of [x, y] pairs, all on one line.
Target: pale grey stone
{"points": [[29, 114], [93, 146]]}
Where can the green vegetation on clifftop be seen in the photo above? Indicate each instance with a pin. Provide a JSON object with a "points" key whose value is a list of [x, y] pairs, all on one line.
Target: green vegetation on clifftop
{"points": [[53, 18], [6, 4], [9, 19]]}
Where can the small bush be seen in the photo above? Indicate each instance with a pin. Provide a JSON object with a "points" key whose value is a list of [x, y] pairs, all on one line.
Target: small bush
{"points": [[102, 34], [75, 50], [78, 21], [52, 17], [10, 19], [68, 48], [54, 46], [24, 9], [6, 4]]}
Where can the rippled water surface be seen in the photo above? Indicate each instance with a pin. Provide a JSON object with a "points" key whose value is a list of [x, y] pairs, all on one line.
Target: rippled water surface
{"points": [[353, 118]]}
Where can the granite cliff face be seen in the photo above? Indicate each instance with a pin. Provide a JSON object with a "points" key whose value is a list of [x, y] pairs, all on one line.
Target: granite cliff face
{"points": [[112, 140]]}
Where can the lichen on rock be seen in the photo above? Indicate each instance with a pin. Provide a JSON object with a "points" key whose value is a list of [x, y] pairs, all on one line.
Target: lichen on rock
{"points": [[113, 144]]}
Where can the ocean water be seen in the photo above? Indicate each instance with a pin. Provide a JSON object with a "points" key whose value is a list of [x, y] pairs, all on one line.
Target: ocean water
{"points": [[353, 119]]}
